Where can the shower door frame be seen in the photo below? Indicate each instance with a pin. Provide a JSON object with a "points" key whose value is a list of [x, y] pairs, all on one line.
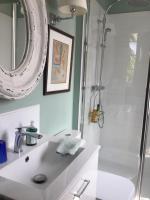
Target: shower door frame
{"points": [[85, 35]]}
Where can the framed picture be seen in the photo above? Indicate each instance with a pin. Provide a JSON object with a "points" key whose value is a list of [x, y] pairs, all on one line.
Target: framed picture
{"points": [[57, 74]]}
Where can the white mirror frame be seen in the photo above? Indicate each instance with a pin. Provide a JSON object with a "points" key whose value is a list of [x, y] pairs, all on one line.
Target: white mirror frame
{"points": [[21, 82]]}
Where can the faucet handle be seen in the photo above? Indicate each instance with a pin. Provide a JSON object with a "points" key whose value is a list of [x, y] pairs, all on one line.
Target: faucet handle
{"points": [[18, 140]]}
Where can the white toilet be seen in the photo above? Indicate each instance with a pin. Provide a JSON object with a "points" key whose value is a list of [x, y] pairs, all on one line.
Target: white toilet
{"points": [[107, 186]]}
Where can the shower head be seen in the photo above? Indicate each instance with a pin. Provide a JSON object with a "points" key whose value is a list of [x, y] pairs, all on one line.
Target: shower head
{"points": [[139, 3]]}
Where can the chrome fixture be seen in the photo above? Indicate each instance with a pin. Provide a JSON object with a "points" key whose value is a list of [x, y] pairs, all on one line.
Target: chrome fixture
{"points": [[95, 88], [19, 138], [70, 8], [107, 30]]}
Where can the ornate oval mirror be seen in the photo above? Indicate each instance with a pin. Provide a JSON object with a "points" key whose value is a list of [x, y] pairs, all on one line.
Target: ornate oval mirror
{"points": [[23, 39]]}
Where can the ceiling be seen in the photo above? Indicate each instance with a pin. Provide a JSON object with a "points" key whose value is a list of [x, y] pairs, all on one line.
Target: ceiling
{"points": [[123, 6]]}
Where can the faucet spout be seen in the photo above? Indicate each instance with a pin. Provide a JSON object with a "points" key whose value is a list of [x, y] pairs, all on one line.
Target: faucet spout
{"points": [[19, 139]]}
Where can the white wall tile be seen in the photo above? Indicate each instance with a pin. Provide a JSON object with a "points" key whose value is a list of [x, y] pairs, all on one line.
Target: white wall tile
{"points": [[124, 95], [11, 120]]}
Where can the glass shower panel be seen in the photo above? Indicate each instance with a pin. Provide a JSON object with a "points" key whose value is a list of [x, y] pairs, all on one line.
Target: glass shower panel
{"points": [[124, 77]]}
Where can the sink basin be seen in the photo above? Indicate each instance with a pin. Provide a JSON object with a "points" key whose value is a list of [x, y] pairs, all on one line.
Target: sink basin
{"points": [[16, 176], [44, 160]]}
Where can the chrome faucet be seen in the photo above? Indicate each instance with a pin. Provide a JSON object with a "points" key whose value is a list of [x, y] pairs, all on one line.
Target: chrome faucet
{"points": [[19, 138]]}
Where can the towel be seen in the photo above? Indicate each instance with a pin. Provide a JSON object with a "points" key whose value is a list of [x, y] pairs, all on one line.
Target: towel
{"points": [[70, 145]]}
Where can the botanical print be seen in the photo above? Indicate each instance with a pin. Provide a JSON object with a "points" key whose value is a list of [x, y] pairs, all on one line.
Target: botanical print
{"points": [[59, 62]]}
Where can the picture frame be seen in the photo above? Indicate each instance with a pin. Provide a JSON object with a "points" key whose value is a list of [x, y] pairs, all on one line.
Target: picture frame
{"points": [[58, 69]]}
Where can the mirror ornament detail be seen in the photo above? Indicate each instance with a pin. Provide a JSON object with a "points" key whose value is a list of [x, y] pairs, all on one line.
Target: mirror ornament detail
{"points": [[21, 82]]}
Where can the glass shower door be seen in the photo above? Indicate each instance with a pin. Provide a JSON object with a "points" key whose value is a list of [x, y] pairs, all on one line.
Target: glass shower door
{"points": [[124, 79]]}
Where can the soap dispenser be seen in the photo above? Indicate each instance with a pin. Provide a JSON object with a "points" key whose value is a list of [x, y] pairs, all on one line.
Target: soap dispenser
{"points": [[30, 141]]}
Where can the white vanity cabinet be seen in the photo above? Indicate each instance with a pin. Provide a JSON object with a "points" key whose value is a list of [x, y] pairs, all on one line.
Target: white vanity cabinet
{"points": [[84, 180], [92, 184]]}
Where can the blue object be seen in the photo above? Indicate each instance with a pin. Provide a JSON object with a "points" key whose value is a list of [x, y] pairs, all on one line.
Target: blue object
{"points": [[3, 152]]}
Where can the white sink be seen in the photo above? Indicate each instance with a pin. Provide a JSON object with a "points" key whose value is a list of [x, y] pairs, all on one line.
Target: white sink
{"points": [[43, 160], [60, 170]]}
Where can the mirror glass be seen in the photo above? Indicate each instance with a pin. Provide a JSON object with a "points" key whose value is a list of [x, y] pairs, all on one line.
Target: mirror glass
{"points": [[13, 34]]}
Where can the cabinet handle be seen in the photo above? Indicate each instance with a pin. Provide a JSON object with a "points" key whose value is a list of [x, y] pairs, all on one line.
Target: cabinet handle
{"points": [[82, 188]]}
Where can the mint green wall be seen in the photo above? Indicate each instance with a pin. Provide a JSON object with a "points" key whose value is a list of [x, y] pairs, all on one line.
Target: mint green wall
{"points": [[57, 109], [79, 23]]}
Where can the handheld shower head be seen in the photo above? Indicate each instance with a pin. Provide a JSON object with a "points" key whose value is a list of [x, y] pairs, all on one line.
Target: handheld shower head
{"points": [[107, 30]]}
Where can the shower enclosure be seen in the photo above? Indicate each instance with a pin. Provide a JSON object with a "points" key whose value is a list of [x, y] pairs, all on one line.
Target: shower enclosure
{"points": [[115, 94]]}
